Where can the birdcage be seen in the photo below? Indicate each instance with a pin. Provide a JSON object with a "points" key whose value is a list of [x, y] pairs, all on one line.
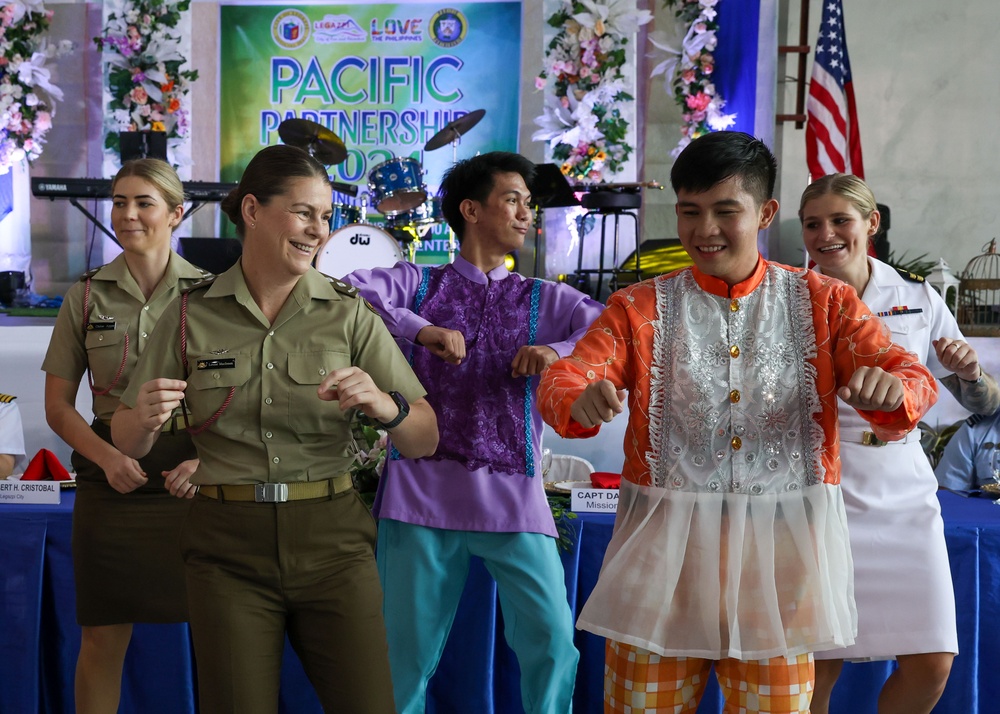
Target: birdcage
{"points": [[979, 294]]}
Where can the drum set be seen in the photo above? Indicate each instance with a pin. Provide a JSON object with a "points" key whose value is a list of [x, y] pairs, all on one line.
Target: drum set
{"points": [[395, 189]]}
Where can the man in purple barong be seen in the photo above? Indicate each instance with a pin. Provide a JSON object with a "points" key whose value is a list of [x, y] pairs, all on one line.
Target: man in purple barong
{"points": [[478, 336]]}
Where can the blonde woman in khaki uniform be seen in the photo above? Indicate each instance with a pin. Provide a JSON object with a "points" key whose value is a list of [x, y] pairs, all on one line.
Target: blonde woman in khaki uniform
{"points": [[270, 360], [126, 522]]}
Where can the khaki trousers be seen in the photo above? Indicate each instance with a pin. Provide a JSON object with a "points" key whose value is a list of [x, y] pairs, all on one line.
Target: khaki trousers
{"points": [[256, 571]]}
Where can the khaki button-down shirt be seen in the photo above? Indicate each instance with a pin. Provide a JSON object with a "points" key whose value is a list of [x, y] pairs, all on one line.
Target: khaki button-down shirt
{"points": [[117, 313], [275, 428]]}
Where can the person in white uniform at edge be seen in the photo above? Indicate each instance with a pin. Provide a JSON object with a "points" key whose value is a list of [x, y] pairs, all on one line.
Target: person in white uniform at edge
{"points": [[12, 457], [902, 579]]}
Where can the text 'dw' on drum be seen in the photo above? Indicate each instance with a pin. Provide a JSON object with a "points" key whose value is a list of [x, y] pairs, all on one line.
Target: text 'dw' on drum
{"points": [[355, 246]]}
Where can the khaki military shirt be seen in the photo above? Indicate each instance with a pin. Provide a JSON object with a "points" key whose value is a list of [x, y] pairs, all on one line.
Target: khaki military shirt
{"points": [[118, 314], [275, 427]]}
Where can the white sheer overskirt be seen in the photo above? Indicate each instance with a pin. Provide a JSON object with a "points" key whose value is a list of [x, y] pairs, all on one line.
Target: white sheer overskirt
{"points": [[718, 575]]}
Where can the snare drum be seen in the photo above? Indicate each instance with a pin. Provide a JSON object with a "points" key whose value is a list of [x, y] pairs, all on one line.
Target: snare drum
{"points": [[426, 214], [344, 214], [397, 185], [358, 245]]}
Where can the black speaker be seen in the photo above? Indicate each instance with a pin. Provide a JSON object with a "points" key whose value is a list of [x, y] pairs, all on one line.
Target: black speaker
{"points": [[142, 145], [880, 240], [216, 255]]}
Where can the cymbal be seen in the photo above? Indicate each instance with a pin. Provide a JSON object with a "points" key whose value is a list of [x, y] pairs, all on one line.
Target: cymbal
{"points": [[454, 129], [325, 146]]}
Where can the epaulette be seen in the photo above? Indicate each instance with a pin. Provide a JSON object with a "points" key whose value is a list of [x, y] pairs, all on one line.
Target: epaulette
{"points": [[200, 284], [341, 287], [975, 419], [912, 277], [7, 398], [90, 273]]}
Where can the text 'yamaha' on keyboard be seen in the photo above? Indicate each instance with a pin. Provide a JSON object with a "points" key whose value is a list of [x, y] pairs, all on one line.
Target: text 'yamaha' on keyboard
{"points": [[52, 187]]}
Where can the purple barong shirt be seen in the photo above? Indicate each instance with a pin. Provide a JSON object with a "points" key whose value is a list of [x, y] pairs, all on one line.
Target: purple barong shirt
{"points": [[445, 493]]}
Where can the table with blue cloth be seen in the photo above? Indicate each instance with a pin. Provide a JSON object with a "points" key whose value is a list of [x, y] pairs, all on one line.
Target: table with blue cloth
{"points": [[39, 638]]}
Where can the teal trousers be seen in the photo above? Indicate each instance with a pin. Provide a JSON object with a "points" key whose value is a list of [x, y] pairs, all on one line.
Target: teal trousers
{"points": [[423, 572]]}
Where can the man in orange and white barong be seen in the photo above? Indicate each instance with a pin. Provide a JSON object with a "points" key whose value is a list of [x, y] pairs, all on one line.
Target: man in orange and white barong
{"points": [[730, 544]]}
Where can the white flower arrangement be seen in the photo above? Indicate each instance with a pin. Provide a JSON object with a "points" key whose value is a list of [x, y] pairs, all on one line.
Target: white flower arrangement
{"points": [[148, 89], [27, 95], [688, 67], [585, 90]]}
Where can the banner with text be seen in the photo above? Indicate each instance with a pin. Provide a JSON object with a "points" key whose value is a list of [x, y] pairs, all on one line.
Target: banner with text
{"points": [[385, 78]]}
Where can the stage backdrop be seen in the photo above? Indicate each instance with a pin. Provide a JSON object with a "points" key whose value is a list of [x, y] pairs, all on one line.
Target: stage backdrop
{"points": [[383, 77]]}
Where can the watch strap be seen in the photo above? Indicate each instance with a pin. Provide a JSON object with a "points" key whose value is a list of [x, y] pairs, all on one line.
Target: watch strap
{"points": [[404, 410]]}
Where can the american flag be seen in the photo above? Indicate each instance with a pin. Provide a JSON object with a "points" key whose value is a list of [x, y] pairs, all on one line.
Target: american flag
{"points": [[833, 144]]}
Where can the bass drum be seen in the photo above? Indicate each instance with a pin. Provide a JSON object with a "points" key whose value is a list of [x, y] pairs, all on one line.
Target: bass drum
{"points": [[358, 245]]}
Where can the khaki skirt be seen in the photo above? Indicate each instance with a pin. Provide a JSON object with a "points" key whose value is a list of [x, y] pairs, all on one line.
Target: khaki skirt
{"points": [[126, 558]]}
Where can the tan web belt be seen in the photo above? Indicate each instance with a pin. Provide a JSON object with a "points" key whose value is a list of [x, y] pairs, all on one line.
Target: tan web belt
{"points": [[278, 492]]}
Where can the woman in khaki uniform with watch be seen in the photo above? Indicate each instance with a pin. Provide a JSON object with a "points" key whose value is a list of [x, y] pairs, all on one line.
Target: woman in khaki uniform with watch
{"points": [[270, 360], [126, 524]]}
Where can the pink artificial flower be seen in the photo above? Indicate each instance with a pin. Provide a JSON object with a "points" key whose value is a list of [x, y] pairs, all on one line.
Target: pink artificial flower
{"points": [[43, 121], [698, 102], [700, 27], [687, 76], [707, 69], [139, 95], [539, 83]]}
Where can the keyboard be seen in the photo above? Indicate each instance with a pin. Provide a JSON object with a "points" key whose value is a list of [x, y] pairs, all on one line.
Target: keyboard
{"points": [[93, 188]]}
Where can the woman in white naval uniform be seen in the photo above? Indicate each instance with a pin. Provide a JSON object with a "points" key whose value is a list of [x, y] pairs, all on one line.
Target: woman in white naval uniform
{"points": [[902, 579]]}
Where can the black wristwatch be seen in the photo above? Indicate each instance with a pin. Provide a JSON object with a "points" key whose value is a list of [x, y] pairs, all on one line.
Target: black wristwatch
{"points": [[404, 410]]}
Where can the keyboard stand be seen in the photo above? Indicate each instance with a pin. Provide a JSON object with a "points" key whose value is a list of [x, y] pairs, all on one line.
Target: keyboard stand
{"points": [[94, 220]]}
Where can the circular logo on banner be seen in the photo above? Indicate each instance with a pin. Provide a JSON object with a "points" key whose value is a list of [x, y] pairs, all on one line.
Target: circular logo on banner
{"points": [[448, 27], [290, 29]]}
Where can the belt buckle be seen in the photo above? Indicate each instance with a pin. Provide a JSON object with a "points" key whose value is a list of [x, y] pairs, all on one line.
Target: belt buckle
{"points": [[868, 438], [270, 492]]}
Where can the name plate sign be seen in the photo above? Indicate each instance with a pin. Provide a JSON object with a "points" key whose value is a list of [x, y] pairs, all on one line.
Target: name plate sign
{"points": [[29, 492], [586, 499]]}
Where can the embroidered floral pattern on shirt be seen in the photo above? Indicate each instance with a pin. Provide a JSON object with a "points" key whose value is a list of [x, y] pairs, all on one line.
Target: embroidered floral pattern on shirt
{"points": [[724, 424]]}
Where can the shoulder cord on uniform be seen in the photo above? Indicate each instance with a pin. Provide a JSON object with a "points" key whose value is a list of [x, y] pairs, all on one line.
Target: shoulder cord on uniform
{"points": [[121, 367], [195, 430]]}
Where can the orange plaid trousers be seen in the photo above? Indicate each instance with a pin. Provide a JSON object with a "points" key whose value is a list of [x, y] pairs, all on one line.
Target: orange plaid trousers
{"points": [[637, 681]]}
